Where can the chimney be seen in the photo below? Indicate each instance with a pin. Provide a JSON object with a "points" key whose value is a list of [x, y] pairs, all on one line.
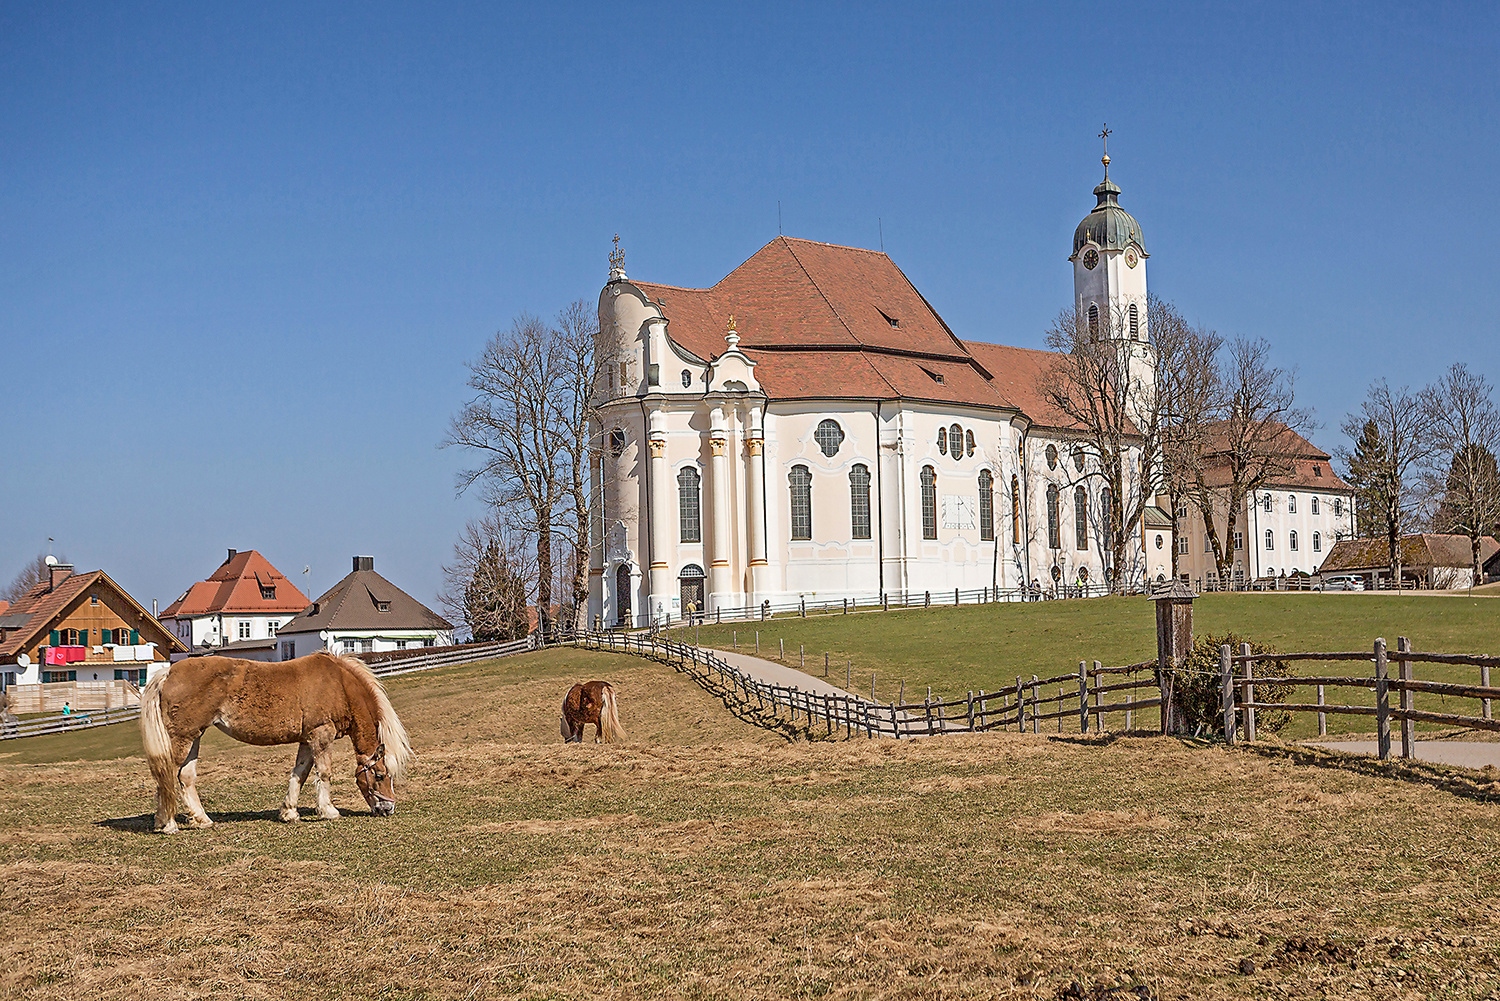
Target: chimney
{"points": [[364, 563], [232, 554], [57, 573]]}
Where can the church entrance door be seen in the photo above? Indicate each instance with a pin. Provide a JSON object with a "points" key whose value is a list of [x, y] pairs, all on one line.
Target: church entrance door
{"points": [[622, 595], [690, 585]]}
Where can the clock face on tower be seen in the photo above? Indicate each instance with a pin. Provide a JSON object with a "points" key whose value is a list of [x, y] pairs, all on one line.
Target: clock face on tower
{"points": [[1090, 258], [1130, 257]]}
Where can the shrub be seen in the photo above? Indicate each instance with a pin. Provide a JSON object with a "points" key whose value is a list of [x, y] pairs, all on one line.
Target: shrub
{"points": [[1198, 685]]}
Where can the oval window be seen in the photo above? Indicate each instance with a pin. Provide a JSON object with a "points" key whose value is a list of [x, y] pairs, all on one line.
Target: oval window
{"points": [[1051, 456], [1159, 542], [829, 437], [1077, 458], [687, 379]]}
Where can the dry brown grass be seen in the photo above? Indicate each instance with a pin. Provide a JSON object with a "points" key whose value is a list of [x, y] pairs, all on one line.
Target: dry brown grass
{"points": [[709, 858]]}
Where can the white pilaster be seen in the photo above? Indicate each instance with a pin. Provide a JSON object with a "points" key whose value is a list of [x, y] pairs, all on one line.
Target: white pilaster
{"points": [[659, 601], [720, 531]]}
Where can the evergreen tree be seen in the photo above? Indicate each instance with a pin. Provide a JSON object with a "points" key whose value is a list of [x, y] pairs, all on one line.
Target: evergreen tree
{"points": [[1367, 465]]}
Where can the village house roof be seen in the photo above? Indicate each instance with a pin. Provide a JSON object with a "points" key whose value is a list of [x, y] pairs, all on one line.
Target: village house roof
{"points": [[825, 321], [245, 583], [1307, 467], [364, 600], [46, 604], [1418, 552]]}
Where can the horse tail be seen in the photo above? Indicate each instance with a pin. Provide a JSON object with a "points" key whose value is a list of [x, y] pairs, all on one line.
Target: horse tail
{"points": [[609, 717], [158, 745], [388, 728]]}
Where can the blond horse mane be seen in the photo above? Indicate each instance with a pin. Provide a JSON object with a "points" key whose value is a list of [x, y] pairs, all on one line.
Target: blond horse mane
{"points": [[398, 752]]}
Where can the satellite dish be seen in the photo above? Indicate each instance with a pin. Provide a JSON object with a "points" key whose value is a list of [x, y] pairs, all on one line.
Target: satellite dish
{"points": [[51, 560], [24, 660]]}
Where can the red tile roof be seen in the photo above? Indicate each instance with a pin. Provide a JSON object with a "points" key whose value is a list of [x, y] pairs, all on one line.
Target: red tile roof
{"points": [[236, 587], [1311, 469]]}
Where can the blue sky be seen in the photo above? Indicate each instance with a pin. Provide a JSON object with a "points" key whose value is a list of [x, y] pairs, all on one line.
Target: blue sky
{"points": [[245, 250]]}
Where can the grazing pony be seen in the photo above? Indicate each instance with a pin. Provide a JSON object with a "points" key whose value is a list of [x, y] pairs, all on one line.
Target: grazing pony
{"points": [[311, 701], [593, 702]]}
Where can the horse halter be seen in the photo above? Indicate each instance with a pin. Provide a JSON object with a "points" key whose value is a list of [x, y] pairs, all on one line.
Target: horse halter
{"points": [[369, 766]]}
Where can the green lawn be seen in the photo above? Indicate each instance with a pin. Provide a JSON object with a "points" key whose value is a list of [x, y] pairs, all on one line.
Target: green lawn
{"points": [[985, 647]]}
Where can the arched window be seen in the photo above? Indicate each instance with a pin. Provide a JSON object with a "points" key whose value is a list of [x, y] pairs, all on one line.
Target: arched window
{"points": [[690, 525], [1338, 507], [1094, 320], [829, 437], [1015, 510], [1265, 503], [1054, 530], [1081, 517], [1078, 458], [1135, 322], [929, 502], [1317, 542], [1314, 505], [943, 441], [1270, 539], [1291, 503], [968, 442], [986, 505], [622, 595], [859, 502], [801, 484], [1106, 519], [617, 442], [956, 441], [1291, 541]]}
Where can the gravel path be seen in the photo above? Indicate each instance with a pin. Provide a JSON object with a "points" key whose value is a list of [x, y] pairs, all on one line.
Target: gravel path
{"points": [[1469, 754]]}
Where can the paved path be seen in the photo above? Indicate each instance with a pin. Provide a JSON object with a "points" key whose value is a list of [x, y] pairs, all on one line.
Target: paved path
{"points": [[1468, 753], [773, 673]]}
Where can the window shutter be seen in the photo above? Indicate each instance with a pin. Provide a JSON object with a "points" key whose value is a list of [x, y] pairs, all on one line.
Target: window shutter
{"points": [[106, 636], [135, 636], [83, 637], [54, 637]]}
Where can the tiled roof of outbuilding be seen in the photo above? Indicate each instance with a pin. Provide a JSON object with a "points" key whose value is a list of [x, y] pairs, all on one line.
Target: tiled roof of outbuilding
{"points": [[236, 587], [354, 603]]}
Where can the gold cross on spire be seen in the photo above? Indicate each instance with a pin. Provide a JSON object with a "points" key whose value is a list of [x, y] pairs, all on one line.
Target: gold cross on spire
{"points": [[1105, 136], [616, 256]]}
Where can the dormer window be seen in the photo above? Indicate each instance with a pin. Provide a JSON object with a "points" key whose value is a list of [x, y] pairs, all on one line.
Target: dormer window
{"points": [[1317, 469], [888, 317], [935, 376], [382, 606], [268, 592]]}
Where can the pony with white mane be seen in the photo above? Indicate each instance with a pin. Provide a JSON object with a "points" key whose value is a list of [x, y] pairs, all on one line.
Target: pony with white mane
{"points": [[591, 702], [312, 701]]}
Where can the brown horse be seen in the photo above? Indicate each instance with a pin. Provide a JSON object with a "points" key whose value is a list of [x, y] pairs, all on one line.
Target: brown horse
{"points": [[311, 701], [593, 702]]}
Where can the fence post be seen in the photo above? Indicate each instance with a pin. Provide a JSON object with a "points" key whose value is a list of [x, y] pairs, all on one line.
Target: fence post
{"points": [[828, 713], [955, 597], [782, 656], [1403, 645], [825, 663], [885, 602], [1322, 716], [1249, 693], [1099, 701], [927, 711], [926, 599], [1034, 706], [1083, 697], [1020, 709], [971, 710], [757, 642], [846, 606], [802, 607], [872, 685], [1382, 702], [1226, 691], [895, 723], [801, 656], [848, 668], [1484, 680]]}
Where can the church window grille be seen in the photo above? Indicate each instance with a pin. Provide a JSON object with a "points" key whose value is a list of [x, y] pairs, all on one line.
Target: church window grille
{"points": [[1051, 456], [1015, 510], [801, 484], [1078, 458], [968, 442], [617, 442], [942, 441], [986, 505], [1239, 541], [1081, 517], [1338, 507], [1291, 503], [1265, 503], [1054, 529], [1317, 542], [1106, 523], [1270, 539], [929, 502], [829, 437], [859, 501], [689, 505], [1093, 320], [1291, 541], [1135, 322], [687, 379], [1314, 505], [956, 441]]}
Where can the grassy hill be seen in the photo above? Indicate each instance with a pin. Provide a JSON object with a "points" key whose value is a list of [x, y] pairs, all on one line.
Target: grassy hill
{"points": [[706, 858], [985, 647]]}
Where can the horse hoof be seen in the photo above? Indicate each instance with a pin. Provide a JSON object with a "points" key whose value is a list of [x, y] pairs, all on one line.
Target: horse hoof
{"points": [[289, 815], [170, 828], [332, 814], [198, 824]]}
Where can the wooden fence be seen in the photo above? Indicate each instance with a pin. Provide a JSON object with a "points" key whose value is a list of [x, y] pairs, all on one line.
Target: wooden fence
{"points": [[1027, 703], [1238, 681]]}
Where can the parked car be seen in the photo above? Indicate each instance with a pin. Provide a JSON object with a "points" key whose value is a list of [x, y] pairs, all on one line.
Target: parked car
{"points": [[1342, 582]]}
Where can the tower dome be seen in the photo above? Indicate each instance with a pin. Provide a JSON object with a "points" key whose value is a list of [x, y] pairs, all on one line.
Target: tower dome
{"points": [[1109, 227]]}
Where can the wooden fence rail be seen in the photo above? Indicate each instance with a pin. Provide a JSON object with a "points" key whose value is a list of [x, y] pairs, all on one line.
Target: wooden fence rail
{"points": [[852, 715], [1238, 680]]}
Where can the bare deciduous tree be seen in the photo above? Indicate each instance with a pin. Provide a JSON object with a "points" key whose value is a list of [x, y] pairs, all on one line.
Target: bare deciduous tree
{"points": [[576, 419], [1463, 427], [29, 576], [1190, 391], [1103, 385], [1394, 444], [1254, 440]]}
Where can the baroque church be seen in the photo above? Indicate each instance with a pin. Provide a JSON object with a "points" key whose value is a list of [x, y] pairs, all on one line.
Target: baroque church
{"points": [[811, 428]]}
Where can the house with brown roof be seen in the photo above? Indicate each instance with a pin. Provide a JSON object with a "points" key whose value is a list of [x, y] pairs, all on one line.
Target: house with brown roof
{"points": [[811, 426], [238, 610], [81, 627], [1429, 560], [363, 613], [1286, 526]]}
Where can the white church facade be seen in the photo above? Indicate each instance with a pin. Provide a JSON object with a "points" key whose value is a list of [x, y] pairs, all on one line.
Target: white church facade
{"points": [[810, 427]]}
